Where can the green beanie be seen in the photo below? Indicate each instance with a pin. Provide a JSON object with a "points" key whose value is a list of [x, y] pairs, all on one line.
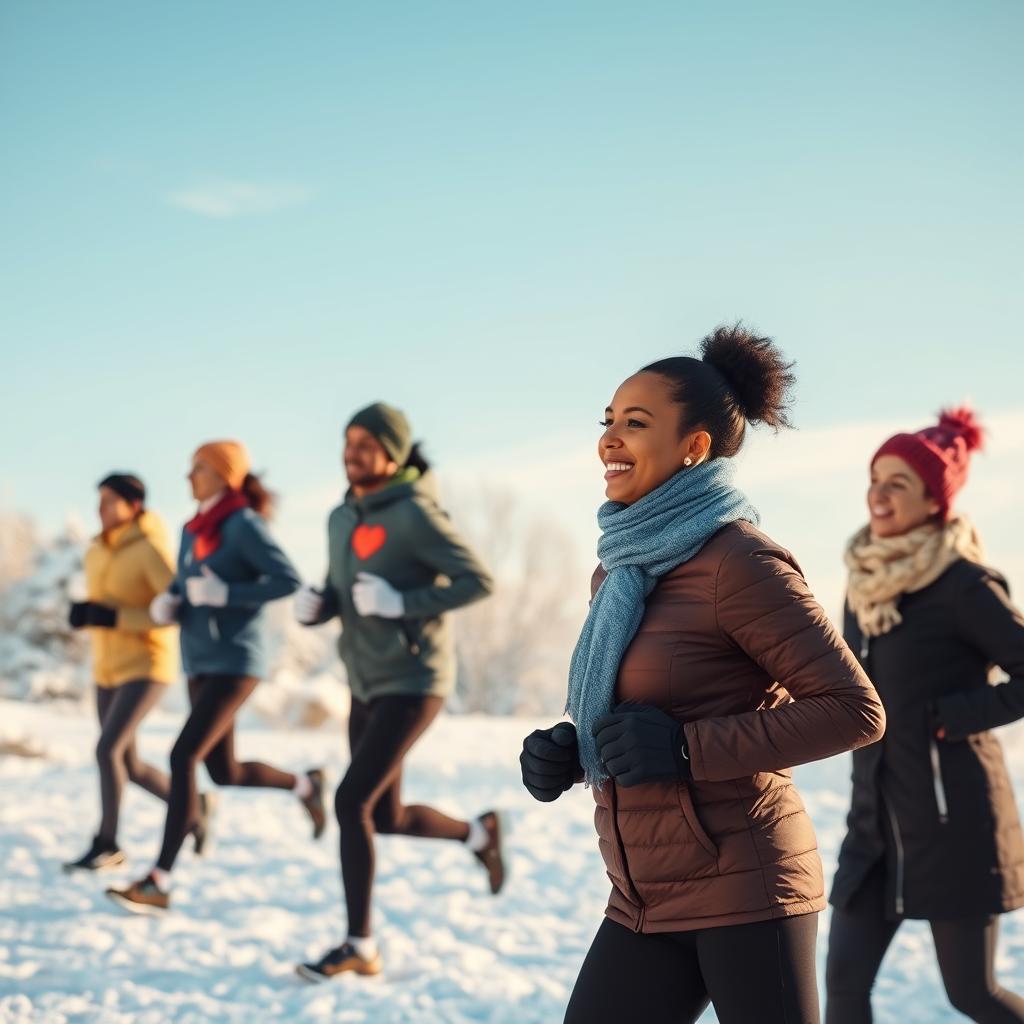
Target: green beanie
{"points": [[389, 426]]}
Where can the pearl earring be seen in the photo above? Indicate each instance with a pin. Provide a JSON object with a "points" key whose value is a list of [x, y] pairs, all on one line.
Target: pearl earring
{"points": [[687, 461]]}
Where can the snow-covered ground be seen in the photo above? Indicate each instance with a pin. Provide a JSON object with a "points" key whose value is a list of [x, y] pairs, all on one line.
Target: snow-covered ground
{"points": [[268, 896]]}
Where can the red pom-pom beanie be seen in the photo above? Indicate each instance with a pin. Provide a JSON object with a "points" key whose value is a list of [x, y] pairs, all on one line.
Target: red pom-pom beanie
{"points": [[940, 455]]}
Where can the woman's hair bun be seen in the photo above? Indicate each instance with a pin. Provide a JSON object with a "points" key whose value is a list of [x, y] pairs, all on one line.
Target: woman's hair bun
{"points": [[755, 371]]}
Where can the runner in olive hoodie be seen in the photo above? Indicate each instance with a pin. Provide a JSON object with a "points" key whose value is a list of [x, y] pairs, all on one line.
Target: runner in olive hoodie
{"points": [[396, 567]]}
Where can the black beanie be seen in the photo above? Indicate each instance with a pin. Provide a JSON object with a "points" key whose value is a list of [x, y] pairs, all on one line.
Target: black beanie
{"points": [[389, 426], [125, 485]]}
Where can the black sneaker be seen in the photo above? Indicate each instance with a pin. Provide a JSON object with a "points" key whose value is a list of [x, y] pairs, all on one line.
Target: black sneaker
{"points": [[142, 897], [314, 803], [99, 857], [491, 856], [342, 960], [204, 829]]}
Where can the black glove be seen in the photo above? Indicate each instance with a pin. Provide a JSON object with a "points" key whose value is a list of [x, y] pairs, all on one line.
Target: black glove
{"points": [[551, 762], [91, 613], [101, 616], [639, 743]]}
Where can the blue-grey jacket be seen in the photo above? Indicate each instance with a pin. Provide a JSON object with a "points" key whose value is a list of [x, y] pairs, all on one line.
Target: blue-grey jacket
{"points": [[230, 640]]}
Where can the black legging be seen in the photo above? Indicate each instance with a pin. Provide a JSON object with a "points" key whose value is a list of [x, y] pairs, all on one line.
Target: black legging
{"points": [[761, 972], [209, 737], [965, 949], [121, 709], [369, 798]]}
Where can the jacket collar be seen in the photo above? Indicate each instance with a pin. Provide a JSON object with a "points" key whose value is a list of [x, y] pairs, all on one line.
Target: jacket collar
{"points": [[402, 485], [121, 536]]}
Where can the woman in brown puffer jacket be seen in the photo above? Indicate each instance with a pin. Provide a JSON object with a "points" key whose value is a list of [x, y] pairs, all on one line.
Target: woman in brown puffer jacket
{"points": [[723, 673], [933, 831]]}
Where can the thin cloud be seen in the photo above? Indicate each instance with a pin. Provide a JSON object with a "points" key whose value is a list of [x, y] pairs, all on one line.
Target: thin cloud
{"points": [[226, 199]]}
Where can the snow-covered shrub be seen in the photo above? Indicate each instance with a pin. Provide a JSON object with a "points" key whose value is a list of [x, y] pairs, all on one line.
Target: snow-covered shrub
{"points": [[514, 648], [41, 657]]}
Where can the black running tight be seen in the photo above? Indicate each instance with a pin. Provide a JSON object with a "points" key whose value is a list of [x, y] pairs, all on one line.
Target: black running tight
{"points": [[965, 948], [121, 709], [209, 738], [369, 798], [761, 973]]}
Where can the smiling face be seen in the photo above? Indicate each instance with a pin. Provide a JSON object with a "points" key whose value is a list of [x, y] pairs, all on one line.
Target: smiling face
{"points": [[114, 510], [206, 481], [641, 446], [367, 465], [898, 499]]}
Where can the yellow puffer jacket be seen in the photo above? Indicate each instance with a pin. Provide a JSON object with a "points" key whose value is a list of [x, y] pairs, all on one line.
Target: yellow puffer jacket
{"points": [[125, 569]]}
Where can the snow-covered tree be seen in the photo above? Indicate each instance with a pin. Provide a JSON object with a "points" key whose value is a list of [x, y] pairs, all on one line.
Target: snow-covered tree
{"points": [[17, 545], [514, 647], [40, 656]]}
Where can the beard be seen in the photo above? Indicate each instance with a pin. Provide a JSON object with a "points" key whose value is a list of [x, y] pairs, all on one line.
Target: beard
{"points": [[364, 476]]}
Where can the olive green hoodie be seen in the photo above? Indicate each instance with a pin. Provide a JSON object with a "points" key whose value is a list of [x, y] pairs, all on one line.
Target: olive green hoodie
{"points": [[401, 534]]}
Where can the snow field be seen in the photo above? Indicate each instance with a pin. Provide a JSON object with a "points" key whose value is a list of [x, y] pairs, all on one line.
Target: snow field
{"points": [[267, 896]]}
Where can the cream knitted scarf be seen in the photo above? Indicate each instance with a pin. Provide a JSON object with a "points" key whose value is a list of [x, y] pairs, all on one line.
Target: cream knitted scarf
{"points": [[884, 568]]}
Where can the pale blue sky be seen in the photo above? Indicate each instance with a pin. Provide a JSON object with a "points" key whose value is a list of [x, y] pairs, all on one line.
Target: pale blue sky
{"points": [[250, 218]]}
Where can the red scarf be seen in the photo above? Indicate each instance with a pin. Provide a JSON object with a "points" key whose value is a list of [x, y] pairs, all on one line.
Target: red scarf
{"points": [[205, 526]]}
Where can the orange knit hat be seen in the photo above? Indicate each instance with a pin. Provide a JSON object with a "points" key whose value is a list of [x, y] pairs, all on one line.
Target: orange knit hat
{"points": [[228, 458]]}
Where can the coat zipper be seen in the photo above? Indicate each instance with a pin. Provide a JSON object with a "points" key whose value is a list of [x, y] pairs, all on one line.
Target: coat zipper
{"points": [[865, 651], [899, 855], [412, 644], [622, 856], [212, 622], [347, 575], [940, 787]]}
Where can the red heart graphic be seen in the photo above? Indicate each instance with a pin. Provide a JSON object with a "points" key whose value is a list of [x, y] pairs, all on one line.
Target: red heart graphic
{"points": [[368, 540]]}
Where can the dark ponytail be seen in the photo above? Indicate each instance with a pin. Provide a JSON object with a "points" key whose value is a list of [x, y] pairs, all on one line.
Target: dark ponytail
{"points": [[261, 501], [417, 460], [740, 378]]}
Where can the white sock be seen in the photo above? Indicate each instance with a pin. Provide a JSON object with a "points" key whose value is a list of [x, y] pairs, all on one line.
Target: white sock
{"points": [[162, 879], [478, 836], [303, 787], [365, 946]]}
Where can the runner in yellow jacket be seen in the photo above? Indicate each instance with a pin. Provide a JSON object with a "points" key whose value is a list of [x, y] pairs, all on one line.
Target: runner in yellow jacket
{"points": [[134, 659]]}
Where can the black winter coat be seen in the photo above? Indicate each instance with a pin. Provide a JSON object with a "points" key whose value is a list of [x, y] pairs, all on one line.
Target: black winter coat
{"points": [[941, 812]]}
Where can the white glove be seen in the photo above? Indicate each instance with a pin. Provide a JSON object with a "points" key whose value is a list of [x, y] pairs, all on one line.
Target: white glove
{"points": [[208, 589], [163, 609], [308, 605], [373, 595]]}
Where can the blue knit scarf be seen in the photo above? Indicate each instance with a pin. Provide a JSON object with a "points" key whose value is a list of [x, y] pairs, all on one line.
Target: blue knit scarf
{"points": [[639, 544]]}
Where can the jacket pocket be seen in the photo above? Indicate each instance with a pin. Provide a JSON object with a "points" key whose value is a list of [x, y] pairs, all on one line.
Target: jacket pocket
{"points": [[383, 651], [227, 624], [689, 810], [409, 635]]}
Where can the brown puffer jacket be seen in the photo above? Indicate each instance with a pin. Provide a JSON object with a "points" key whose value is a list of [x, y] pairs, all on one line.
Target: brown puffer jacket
{"points": [[733, 645]]}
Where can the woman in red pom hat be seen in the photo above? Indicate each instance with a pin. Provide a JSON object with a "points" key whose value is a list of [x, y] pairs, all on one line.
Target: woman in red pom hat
{"points": [[933, 831]]}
